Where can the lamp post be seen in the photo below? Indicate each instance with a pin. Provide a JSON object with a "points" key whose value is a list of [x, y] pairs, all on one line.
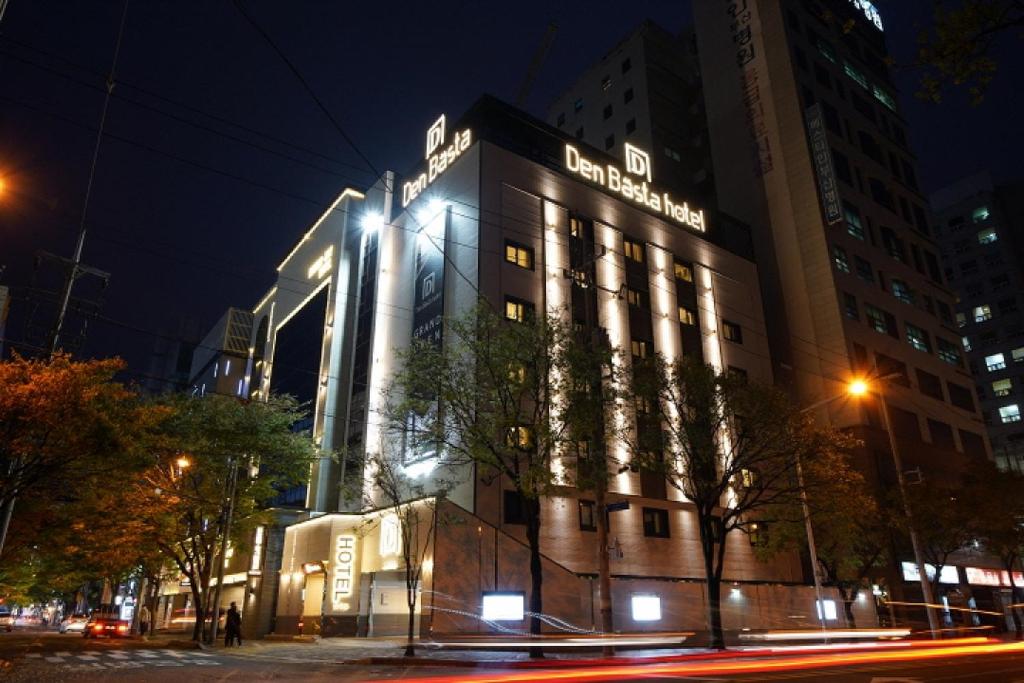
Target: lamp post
{"points": [[859, 388]]}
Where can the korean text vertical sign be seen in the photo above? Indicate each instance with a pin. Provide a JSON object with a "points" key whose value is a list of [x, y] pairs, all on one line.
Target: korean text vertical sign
{"points": [[823, 166]]}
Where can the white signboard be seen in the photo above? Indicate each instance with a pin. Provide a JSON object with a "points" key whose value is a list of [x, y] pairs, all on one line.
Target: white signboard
{"points": [[438, 158]]}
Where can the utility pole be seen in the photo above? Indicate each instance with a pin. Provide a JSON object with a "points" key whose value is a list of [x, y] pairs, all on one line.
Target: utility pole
{"points": [[76, 267]]}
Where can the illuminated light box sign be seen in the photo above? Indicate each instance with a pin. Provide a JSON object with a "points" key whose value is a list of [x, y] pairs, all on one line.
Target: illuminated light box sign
{"points": [[344, 566], [438, 157], [978, 576], [503, 606], [638, 190], [948, 575]]}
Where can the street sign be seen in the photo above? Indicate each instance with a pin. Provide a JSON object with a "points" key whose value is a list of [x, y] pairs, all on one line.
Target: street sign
{"points": [[617, 506]]}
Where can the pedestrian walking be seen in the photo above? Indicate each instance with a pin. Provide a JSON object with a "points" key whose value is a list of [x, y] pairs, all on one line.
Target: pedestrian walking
{"points": [[144, 618], [233, 626]]}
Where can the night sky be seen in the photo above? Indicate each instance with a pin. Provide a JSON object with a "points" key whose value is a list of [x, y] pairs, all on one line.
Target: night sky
{"points": [[217, 160]]}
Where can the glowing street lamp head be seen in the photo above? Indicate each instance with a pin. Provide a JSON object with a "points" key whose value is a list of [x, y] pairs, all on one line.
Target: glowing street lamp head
{"points": [[183, 462], [373, 221], [857, 387]]}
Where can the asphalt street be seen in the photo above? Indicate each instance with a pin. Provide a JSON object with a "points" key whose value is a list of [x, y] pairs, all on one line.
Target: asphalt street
{"points": [[42, 657]]}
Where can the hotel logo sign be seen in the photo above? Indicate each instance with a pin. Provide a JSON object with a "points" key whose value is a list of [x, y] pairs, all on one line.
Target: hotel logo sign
{"points": [[638, 162], [635, 189], [438, 156]]}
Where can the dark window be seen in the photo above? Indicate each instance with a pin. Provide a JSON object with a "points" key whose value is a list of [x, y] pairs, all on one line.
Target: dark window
{"points": [[801, 58], [880, 193], [606, 82], [887, 365], [960, 396], [909, 177], [942, 434], [821, 75], [904, 423], [864, 270], [588, 512], [561, 119], [578, 105], [850, 306], [831, 118], [626, 65], [579, 133], [627, 96], [738, 373], [630, 126], [929, 384], [863, 106], [732, 332], [515, 508], [656, 522], [870, 146], [609, 142], [974, 444], [842, 165], [607, 112], [933, 266], [921, 221]]}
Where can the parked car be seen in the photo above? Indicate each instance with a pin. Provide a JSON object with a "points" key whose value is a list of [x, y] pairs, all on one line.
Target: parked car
{"points": [[73, 623], [106, 621], [6, 619]]}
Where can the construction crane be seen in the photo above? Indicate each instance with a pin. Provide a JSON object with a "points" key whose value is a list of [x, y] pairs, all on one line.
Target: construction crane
{"points": [[535, 64]]}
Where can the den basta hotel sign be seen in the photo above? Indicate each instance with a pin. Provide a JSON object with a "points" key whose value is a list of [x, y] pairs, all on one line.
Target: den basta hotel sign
{"points": [[438, 158], [635, 189]]}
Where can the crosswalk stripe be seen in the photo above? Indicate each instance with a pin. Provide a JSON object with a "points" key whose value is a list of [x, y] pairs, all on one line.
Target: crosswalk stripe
{"points": [[55, 659], [34, 655], [173, 653], [117, 655], [63, 654], [88, 658], [148, 655]]}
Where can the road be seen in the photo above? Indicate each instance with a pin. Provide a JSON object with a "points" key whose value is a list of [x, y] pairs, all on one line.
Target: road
{"points": [[44, 657]]}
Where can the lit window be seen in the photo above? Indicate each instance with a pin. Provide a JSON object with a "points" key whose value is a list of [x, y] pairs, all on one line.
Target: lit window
{"points": [[227, 367], [918, 338], [982, 313], [634, 251], [634, 298], [1018, 354], [854, 73], [646, 608], [520, 436], [686, 316], [1010, 413], [519, 255], [980, 214], [606, 82], [987, 236], [883, 97], [826, 50], [216, 366], [1002, 387], [961, 319], [966, 341], [876, 318], [732, 332], [638, 348], [995, 362], [902, 291], [949, 352], [517, 310], [575, 227], [853, 222], [829, 612], [756, 534], [683, 272], [840, 259], [748, 478]]}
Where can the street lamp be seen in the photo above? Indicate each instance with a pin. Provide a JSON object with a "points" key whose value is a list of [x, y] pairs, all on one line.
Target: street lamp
{"points": [[183, 462], [861, 387]]}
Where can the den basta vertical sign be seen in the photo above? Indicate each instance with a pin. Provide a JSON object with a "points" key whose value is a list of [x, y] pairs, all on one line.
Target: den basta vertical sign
{"points": [[428, 298], [823, 166]]}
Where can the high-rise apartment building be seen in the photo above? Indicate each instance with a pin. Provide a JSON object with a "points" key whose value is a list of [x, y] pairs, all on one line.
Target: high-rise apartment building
{"points": [[645, 91], [980, 227], [810, 148]]}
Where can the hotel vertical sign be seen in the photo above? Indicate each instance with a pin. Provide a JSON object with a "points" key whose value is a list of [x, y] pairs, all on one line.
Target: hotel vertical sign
{"points": [[823, 166]]}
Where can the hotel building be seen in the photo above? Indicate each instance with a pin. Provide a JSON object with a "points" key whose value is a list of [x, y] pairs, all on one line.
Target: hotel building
{"points": [[501, 207]]}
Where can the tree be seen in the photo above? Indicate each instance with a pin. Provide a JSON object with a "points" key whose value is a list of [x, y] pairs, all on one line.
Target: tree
{"points": [[945, 521], [996, 497], [64, 424], [416, 516], [730, 447], [959, 48], [850, 530], [490, 396], [208, 443]]}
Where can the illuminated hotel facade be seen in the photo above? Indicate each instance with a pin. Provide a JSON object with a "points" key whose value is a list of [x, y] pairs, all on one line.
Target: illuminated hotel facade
{"points": [[496, 210]]}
